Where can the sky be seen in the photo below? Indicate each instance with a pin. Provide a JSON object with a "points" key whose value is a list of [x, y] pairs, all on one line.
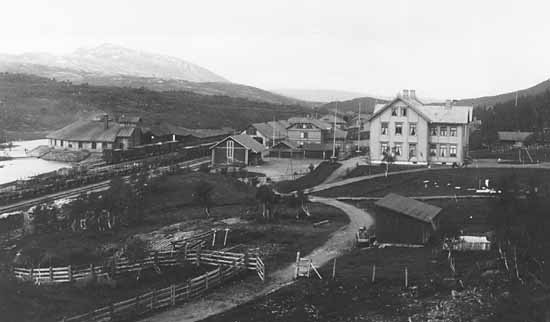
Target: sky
{"points": [[443, 49]]}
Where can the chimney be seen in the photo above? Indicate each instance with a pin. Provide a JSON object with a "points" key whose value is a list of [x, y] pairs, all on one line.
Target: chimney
{"points": [[406, 93], [412, 94], [106, 121]]}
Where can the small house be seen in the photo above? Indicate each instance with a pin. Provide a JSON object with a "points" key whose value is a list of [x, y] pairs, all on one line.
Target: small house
{"points": [[404, 220], [237, 151], [268, 133], [515, 139]]}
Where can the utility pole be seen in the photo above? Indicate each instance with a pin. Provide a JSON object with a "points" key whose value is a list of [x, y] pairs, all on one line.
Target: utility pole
{"points": [[334, 134], [359, 130], [273, 133]]}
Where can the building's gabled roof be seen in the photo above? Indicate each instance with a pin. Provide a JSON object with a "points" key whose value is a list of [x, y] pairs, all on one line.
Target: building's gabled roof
{"points": [[127, 131], [129, 119], [329, 118], [246, 141], [90, 131], [433, 113], [409, 207], [513, 136], [317, 123], [285, 144], [276, 129]]}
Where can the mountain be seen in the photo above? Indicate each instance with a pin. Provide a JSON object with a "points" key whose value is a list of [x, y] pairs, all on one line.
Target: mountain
{"points": [[108, 59], [31, 106], [319, 95], [487, 101], [352, 106], [110, 65]]}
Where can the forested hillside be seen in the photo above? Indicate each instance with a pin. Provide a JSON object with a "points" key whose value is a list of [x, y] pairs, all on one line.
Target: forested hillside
{"points": [[30, 106]]}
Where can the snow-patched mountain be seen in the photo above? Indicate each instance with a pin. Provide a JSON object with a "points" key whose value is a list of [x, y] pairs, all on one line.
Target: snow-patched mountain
{"points": [[108, 59]]}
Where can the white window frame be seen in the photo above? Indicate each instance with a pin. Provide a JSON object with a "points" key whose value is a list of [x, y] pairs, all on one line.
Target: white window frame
{"points": [[230, 150], [411, 127], [453, 131], [398, 125], [451, 148], [382, 128]]}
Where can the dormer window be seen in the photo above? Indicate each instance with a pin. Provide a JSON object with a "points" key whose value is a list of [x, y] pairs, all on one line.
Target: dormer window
{"points": [[394, 111], [403, 111]]}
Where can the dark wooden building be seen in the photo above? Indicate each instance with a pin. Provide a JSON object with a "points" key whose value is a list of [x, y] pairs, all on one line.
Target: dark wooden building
{"points": [[404, 220], [236, 151]]}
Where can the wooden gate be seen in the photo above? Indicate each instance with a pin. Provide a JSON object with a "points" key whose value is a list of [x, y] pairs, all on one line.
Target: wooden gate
{"points": [[260, 268]]}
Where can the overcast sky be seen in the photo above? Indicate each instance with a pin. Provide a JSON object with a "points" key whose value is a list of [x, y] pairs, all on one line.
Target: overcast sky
{"points": [[443, 49]]}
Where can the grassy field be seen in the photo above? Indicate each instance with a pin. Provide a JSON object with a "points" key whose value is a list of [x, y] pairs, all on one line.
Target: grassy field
{"points": [[439, 182], [367, 170], [540, 155], [353, 296], [317, 176], [26, 302]]}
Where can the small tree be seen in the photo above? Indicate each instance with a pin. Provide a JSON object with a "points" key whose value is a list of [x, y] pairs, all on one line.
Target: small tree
{"points": [[203, 196]]}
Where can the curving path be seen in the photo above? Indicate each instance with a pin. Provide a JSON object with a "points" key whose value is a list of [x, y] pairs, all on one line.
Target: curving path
{"points": [[233, 295]]}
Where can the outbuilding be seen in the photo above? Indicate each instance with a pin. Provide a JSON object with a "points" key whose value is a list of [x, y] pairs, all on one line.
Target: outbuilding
{"points": [[404, 220], [237, 151]]}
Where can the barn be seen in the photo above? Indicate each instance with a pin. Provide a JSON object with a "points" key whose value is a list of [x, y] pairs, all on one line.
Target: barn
{"points": [[404, 220], [237, 150]]}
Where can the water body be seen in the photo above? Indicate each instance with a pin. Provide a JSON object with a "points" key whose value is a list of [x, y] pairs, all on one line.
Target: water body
{"points": [[21, 166]]}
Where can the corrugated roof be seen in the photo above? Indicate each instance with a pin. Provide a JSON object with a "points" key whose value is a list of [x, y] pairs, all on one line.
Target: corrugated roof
{"points": [[410, 207], [246, 141], [89, 130], [515, 136]]}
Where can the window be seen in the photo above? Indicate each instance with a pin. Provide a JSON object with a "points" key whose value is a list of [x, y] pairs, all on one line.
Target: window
{"points": [[442, 151], [394, 111], [433, 131], [80, 145], [412, 150], [398, 149], [70, 145], [61, 143], [398, 128], [442, 131], [303, 135], [94, 145], [230, 150], [412, 129], [384, 128], [104, 145], [403, 111], [452, 151], [452, 132], [384, 147], [433, 150]]}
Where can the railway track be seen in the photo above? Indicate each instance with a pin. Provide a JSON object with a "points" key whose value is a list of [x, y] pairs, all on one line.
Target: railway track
{"points": [[95, 187]]}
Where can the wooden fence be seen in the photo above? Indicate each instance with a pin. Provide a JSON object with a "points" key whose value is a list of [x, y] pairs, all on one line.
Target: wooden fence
{"points": [[155, 261], [160, 298]]}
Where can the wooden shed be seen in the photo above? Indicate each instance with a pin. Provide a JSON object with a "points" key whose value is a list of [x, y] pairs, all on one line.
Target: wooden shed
{"points": [[404, 220], [236, 151]]}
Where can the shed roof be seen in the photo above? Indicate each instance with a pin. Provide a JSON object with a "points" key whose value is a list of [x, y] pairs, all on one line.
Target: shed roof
{"points": [[91, 131], [514, 136], [410, 207], [246, 141], [271, 129]]}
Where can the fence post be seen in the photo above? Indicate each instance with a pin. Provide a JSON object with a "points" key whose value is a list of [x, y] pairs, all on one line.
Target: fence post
{"points": [[373, 273], [173, 294], [225, 238], [92, 270], [32, 275], [406, 277], [297, 264], [51, 274], [214, 237], [206, 282], [334, 269]]}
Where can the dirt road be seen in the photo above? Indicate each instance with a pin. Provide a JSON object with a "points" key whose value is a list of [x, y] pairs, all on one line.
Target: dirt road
{"points": [[233, 295]]}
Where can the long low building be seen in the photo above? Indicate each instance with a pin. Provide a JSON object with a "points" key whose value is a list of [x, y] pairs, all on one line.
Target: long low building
{"points": [[98, 134]]}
